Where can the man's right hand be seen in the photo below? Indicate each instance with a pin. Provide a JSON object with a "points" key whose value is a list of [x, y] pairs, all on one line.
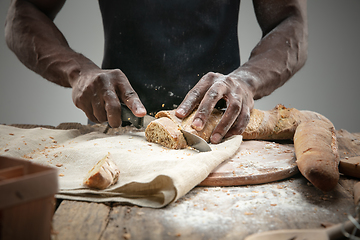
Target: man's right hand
{"points": [[32, 35], [99, 92]]}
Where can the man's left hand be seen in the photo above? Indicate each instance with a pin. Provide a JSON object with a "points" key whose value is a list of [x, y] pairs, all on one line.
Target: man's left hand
{"points": [[207, 92]]}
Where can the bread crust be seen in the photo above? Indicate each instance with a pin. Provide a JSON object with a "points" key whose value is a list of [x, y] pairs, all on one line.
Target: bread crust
{"points": [[185, 123], [313, 134], [317, 154], [279, 123], [165, 132], [104, 174]]}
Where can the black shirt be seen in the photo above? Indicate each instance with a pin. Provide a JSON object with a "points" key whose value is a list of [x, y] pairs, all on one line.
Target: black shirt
{"points": [[165, 46]]}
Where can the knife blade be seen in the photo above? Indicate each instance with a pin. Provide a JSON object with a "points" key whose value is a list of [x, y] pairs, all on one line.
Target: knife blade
{"points": [[194, 141]]}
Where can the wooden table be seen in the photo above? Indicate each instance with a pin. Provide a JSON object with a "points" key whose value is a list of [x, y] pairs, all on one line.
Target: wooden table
{"points": [[216, 212]]}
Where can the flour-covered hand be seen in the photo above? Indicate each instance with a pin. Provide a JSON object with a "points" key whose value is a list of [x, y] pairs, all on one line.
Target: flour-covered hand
{"points": [[207, 92], [99, 92]]}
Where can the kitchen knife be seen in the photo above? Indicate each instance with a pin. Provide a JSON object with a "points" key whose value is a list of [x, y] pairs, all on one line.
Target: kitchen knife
{"points": [[127, 118], [194, 141]]}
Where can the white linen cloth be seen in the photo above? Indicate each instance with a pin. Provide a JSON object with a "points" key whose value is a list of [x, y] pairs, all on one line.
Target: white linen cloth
{"points": [[150, 175]]}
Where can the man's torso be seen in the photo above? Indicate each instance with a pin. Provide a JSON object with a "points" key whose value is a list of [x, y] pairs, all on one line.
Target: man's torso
{"points": [[165, 47]]}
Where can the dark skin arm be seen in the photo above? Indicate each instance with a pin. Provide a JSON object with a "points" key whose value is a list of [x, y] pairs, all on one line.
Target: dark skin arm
{"points": [[33, 37], [31, 34], [281, 52]]}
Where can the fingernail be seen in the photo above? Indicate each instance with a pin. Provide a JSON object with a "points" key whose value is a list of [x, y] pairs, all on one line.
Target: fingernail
{"points": [[140, 111], [181, 111], [216, 138], [197, 124]]}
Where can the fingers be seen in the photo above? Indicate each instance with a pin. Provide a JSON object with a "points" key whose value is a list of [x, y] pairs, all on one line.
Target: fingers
{"points": [[207, 94], [112, 107], [131, 99], [238, 126], [195, 95], [99, 97], [98, 110], [240, 109], [127, 95], [222, 88], [82, 100], [213, 95], [240, 123], [232, 113]]}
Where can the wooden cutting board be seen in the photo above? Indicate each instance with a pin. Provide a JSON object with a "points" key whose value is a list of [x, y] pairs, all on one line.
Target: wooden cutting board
{"points": [[256, 162]]}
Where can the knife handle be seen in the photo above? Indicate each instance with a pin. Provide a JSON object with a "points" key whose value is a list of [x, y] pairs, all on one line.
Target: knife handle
{"points": [[127, 117]]}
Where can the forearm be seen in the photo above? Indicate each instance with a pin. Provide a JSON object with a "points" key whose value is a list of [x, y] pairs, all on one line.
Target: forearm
{"points": [[277, 57], [40, 46]]}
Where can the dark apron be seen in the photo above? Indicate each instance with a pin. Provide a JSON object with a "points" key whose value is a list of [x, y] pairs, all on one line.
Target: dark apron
{"points": [[165, 46]]}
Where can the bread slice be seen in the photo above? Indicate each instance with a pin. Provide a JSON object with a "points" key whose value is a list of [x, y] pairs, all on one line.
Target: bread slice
{"points": [[165, 132], [104, 174], [166, 129]]}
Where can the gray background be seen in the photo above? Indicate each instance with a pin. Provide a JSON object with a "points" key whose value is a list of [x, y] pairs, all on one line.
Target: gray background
{"points": [[327, 84]]}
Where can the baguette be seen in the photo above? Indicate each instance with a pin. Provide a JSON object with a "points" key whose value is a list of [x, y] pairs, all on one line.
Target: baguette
{"points": [[317, 153], [313, 134], [350, 166], [104, 174], [165, 130], [280, 123]]}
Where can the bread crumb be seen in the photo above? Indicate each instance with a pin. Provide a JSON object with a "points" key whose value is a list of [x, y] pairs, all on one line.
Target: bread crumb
{"points": [[59, 165], [127, 236], [268, 146], [248, 213], [61, 175]]}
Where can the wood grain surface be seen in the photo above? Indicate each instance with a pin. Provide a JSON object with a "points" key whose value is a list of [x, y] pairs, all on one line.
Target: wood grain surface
{"points": [[256, 162], [217, 212]]}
